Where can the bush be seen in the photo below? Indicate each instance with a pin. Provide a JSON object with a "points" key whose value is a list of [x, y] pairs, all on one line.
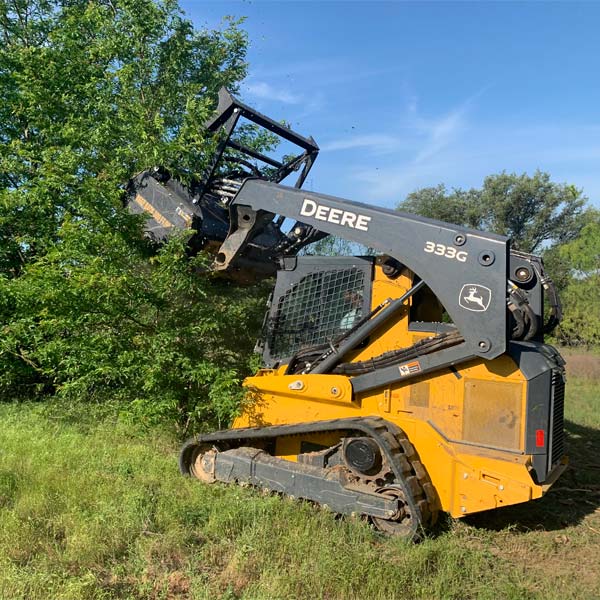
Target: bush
{"points": [[91, 93]]}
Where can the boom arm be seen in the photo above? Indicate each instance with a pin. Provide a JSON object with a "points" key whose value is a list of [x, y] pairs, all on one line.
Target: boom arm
{"points": [[452, 260]]}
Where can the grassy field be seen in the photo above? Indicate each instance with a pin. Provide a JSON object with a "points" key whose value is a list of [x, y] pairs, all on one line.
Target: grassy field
{"points": [[91, 509]]}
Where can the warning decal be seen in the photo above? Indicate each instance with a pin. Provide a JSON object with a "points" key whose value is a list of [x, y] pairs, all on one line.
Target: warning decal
{"points": [[409, 368]]}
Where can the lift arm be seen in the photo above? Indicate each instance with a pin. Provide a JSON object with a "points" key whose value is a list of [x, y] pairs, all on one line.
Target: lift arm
{"points": [[466, 269]]}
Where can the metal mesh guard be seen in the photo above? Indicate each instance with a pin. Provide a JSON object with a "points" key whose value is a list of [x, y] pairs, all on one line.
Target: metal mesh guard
{"points": [[318, 308]]}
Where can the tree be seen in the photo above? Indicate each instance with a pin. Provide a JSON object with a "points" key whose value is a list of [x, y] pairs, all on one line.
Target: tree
{"points": [[532, 210], [90, 94], [581, 297], [459, 206]]}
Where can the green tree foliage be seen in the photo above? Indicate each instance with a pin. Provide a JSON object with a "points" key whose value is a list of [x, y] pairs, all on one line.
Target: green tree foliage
{"points": [[459, 206], [534, 211], [581, 296], [96, 319], [91, 93]]}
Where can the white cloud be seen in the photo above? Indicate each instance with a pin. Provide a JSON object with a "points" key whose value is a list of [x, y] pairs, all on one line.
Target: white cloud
{"points": [[441, 133], [265, 91], [376, 142]]}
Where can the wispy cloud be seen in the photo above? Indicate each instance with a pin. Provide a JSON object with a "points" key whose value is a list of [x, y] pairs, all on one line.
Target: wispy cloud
{"points": [[266, 91], [327, 71], [420, 150], [375, 142], [295, 69], [568, 153], [424, 137], [442, 131], [389, 184], [431, 148]]}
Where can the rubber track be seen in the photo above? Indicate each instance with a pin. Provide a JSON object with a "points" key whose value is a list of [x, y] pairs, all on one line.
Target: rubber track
{"points": [[408, 470]]}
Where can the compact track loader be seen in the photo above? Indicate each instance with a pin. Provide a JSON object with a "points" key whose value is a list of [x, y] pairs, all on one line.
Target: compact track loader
{"points": [[394, 386]]}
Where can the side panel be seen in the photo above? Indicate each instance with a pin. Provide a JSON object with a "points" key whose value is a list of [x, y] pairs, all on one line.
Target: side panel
{"points": [[470, 426], [543, 367]]}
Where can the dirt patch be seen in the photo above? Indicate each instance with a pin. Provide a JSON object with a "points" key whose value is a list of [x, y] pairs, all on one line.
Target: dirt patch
{"points": [[178, 586], [584, 365]]}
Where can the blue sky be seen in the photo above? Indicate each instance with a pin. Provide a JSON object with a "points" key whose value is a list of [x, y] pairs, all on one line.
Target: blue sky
{"points": [[405, 95]]}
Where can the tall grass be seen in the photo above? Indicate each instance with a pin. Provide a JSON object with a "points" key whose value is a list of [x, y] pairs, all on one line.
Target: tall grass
{"points": [[582, 365], [91, 508]]}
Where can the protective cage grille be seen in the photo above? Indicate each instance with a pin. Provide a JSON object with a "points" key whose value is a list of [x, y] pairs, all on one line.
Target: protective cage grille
{"points": [[558, 406], [316, 309]]}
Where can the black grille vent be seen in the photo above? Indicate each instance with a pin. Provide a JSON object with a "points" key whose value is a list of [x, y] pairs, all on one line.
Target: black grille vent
{"points": [[316, 309], [557, 449]]}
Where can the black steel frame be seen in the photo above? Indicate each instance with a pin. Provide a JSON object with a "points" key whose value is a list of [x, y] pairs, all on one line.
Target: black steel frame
{"points": [[228, 113]]}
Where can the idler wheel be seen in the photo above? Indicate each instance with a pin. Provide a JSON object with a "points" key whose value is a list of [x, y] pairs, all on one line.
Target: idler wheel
{"points": [[203, 464]]}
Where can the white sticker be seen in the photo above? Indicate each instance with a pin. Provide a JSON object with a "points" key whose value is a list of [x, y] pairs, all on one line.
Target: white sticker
{"points": [[409, 368]]}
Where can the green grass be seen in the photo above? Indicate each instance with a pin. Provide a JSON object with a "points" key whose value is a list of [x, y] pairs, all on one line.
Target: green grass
{"points": [[91, 509]]}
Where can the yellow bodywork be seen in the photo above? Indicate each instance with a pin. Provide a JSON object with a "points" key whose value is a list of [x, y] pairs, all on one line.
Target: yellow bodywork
{"points": [[467, 424]]}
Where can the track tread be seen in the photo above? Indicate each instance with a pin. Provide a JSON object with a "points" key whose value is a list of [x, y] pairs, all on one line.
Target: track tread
{"points": [[409, 472]]}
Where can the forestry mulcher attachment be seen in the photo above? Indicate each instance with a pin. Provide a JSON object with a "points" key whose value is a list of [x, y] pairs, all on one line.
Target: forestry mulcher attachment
{"points": [[394, 386]]}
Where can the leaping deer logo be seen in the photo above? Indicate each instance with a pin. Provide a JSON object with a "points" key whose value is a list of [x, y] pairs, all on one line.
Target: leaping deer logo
{"points": [[472, 297], [475, 297]]}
